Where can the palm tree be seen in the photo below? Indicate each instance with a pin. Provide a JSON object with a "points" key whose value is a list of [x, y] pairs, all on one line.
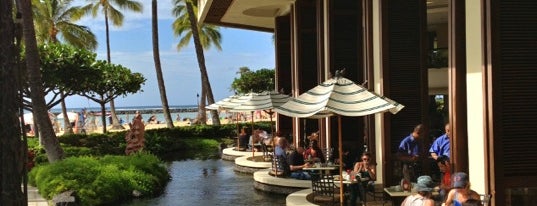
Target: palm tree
{"points": [[158, 69], [11, 157], [56, 17], [50, 142], [108, 8], [204, 37]]}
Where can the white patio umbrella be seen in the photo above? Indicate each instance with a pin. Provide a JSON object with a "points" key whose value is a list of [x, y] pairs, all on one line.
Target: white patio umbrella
{"points": [[226, 103], [338, 97], [266, 101]]}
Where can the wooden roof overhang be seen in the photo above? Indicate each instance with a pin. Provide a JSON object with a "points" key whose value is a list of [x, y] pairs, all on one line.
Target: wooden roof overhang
{"points": [[258, 15]]}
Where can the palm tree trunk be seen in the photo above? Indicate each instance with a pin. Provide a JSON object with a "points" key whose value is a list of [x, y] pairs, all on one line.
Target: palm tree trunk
{"points": [[115, 121], [202, 114], [11, 147], [201, 62], [158, 69], [67, 129], [50, 142]]}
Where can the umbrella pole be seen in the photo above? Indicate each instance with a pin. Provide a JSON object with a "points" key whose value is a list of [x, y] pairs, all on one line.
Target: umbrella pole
{"points": [[253, 143], [238, 131], [340, 148]]}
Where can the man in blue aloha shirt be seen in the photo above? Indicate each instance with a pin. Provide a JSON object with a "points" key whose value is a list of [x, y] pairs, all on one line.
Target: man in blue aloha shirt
{"points": [[409, 153], [441, 145]]}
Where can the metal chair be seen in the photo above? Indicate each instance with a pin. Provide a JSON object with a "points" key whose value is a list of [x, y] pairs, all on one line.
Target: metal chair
{"points": [[323, 188]]}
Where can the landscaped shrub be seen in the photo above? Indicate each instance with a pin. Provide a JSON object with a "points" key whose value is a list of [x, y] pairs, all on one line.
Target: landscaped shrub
{"points": [[105, 180]]}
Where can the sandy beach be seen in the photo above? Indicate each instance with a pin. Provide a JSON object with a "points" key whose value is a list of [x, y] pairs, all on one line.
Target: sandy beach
{"points": [[184, 123]]}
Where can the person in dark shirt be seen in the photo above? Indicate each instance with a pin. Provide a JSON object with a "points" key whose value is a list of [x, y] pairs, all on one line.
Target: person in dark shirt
{"points": [[296, 164], [409, 153]]}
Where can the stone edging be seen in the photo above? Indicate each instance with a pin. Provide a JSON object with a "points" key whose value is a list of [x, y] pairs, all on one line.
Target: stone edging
{"points": [[268, 183], [298, 198]]}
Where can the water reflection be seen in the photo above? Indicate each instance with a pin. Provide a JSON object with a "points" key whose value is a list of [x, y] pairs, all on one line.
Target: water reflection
{"points": [[209, 182]]}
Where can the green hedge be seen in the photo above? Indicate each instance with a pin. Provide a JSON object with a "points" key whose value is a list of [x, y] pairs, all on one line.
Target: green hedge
{"points": [[200, 141], [105, 180]]}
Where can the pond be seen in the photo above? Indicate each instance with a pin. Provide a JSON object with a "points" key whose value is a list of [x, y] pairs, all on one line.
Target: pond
{"points": [[209, 182]]}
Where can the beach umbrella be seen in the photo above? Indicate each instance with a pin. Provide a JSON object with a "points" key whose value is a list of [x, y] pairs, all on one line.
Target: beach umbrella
{"points": [[265, 101], [71, 115], [29, 117], [338, 97]]}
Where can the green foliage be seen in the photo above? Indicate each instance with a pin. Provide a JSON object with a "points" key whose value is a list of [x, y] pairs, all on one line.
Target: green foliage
{"points": [[258, 81], [200, 141], [114, 80], [57, 16], [209, 35], [107, 180], [64, 68]]}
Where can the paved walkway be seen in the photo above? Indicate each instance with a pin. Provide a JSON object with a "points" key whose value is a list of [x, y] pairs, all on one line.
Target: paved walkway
{"points": [[34, 199]]}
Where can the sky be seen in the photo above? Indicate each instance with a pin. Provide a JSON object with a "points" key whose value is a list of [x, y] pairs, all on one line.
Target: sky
{"points": [[131, 46]]}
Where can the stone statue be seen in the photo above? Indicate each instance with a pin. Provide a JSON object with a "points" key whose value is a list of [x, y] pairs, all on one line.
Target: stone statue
{"points": [[135, 136]]}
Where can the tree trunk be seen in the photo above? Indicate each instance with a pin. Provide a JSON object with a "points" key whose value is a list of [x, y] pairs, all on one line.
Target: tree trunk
{"points": [[202, 115], [67, 129], [201, 62], [115, 121], [50, 142], [11, 147], [158, 69], [103, 115]]}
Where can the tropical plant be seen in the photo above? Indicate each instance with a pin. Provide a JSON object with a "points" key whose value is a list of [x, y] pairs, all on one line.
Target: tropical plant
{"points": [[110, 12], [12, 157], [115, 80], [40, 111], [54, 20], [258, 81], [204, 36], [65, 70], [158, 68]]}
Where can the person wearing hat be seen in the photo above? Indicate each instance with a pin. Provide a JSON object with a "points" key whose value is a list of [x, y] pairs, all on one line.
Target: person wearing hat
{"points": [[461, 192], [424, 188]]}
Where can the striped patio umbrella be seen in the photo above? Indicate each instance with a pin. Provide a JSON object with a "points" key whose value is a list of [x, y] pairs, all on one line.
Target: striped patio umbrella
{"points": [[260, 101], [266, 101], [226, 103], [338, 97]]}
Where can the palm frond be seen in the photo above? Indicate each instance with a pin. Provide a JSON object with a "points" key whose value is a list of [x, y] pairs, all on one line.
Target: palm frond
{"points": [[115, 16]]}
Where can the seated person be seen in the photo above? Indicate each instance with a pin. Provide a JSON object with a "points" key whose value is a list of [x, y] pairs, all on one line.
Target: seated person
{"points": [[424, 188], [314, 153], [243, 138], [445, 183], [255, 139], [279, 162], [461, 192], [296, 164], [366, 171]]}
